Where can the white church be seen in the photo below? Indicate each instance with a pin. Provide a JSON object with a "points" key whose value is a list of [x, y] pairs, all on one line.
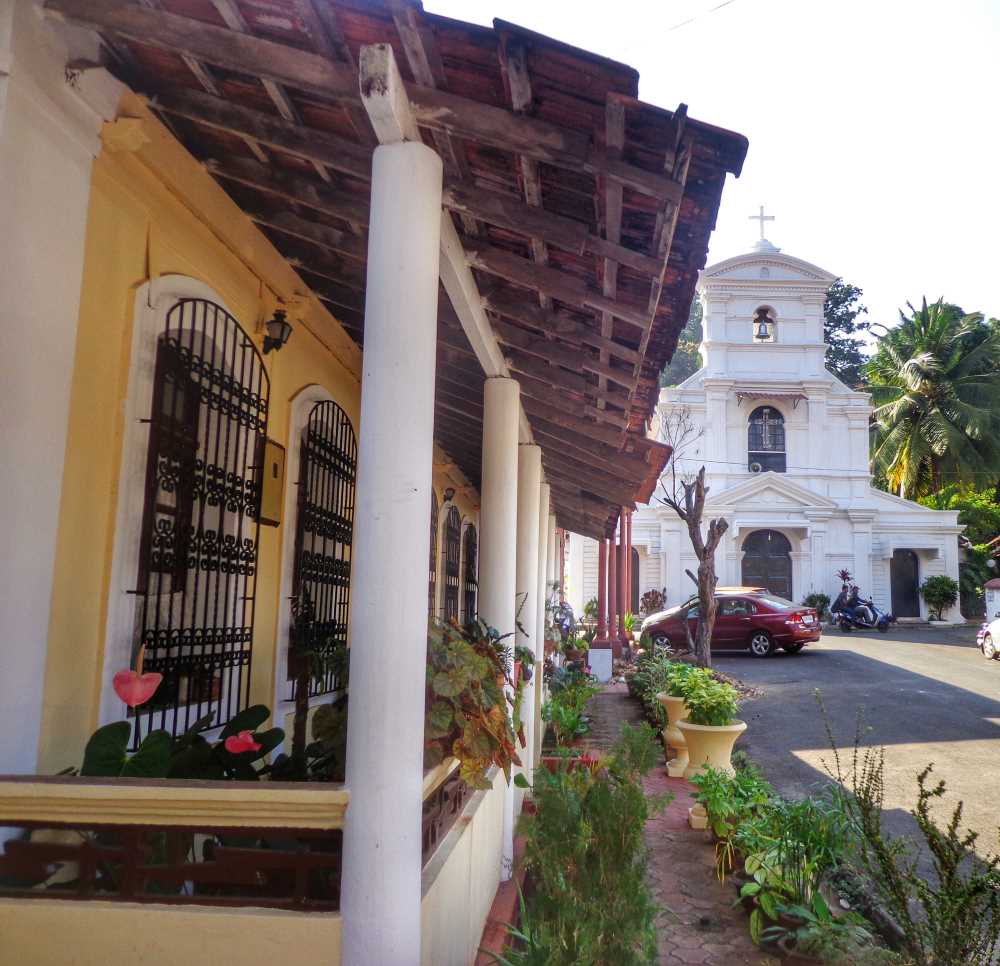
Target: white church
{"points": [[785, 445]]}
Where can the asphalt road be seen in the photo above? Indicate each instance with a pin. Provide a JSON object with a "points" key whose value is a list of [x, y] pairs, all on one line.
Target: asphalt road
{"points": [[926, 694]]}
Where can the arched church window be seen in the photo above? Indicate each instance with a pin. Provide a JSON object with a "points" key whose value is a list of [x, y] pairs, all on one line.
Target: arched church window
{"points": [[766, 441], [452, 555], [763, 325], [471, 572], [432, 575]]}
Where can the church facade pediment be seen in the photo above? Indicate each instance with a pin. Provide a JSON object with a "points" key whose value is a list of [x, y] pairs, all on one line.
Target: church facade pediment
{"points": [[760, 268], [773, 490]]}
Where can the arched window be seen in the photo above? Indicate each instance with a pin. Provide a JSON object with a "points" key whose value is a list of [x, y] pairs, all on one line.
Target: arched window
{"points": [[432, 579], [197, 560], [452, 562], [471, 573], [321, 571], [766, 441]]}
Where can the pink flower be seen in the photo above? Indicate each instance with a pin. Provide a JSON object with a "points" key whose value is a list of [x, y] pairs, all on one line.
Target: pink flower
{"points": [[238, 744], [135, 688]]}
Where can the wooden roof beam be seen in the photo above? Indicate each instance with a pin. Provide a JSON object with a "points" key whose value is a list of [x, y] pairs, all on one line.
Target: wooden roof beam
{"points": [[543, 393], [560, 285], [434, 109]]}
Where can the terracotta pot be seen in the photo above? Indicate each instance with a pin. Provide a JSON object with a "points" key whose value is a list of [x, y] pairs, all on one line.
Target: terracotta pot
{"points": [[710, 745], [676, 711]]}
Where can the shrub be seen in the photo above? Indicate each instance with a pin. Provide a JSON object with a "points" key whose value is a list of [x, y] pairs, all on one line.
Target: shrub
{"points": [[820, 602], [570, 690], [585, 852], [940, 592], [953, 917]]}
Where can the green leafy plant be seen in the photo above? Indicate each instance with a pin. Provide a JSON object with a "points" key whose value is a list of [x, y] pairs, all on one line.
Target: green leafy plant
{"points": [[820, 934], [940, 592], [467, 711], [629, 622], [570, 690], [819, 602], [729, 801], [190, 755], [711, 702], [586, 854]]}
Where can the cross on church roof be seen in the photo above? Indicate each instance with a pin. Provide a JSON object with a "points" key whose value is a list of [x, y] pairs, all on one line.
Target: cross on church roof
{"points": [[761, 218]]}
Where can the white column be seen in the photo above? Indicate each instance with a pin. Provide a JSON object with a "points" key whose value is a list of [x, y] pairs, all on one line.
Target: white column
{"points": [[529, 477], [544, 500], [551, 567], [49, 135], [382, 856], [498, 538]]}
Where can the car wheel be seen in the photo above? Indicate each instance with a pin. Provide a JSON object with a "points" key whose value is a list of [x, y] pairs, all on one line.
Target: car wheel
{"points": [[760, 644], [989, 648], [793, 648]]}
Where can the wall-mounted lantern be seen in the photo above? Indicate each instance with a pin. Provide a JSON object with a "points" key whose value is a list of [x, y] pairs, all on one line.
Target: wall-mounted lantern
{"points": [[278, 330]]}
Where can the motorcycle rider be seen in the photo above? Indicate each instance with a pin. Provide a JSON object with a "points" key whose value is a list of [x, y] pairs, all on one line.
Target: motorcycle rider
{"points": [[860, 608], [841, 605]]}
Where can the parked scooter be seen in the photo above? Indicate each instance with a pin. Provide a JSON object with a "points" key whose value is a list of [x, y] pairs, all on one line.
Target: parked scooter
{"points": [[864, 616]]}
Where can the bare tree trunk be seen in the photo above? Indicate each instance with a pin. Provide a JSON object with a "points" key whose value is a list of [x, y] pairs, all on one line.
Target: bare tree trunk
{"points": [[691, 512]]}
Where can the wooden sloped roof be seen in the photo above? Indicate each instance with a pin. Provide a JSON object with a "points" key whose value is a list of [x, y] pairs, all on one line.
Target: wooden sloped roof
{"points": [[585, 213]]}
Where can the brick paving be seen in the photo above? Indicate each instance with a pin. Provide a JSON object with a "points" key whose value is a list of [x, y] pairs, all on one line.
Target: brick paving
{"points": [[698, 924]]}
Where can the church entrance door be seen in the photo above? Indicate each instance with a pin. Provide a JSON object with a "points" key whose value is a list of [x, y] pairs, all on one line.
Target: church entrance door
{"points": [[767, 562], [904, 575]]}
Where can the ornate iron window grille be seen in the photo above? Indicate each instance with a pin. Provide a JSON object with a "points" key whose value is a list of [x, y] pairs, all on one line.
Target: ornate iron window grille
{"points": [[432, 575], [324, 530], [452, 562], [766, 440], [470, 611], [198, 547]]}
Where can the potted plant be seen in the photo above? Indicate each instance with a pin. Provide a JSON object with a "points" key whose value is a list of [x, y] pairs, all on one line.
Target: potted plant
{"points": [[711, 727], [680, 675]]}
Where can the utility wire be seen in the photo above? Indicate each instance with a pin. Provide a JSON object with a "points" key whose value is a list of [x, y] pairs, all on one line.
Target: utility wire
{"points": [[698, 16]]}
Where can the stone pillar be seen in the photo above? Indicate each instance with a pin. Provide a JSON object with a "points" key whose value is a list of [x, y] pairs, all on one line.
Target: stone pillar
{"points": [[382, 836], [529, 477], [544, 499], [861, 523], [602, 589], [498, 538]]}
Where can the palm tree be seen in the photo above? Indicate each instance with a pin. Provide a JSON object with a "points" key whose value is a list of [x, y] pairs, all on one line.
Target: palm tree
{"points": [[935, 383]]}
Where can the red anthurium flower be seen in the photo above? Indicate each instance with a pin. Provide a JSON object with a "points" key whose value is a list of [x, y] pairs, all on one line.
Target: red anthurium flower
{"points": [[237, 744], [135, 688]]}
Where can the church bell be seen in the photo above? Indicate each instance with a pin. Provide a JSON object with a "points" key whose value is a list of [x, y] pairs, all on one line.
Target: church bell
{"points": [[763, 332]]}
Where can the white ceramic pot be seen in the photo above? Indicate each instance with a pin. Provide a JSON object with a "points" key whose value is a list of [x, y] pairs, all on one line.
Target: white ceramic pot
{"points": [[676, 711], [710, 745], [697, 816]]}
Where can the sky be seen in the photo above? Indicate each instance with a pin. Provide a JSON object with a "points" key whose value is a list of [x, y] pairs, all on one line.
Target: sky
{"points": [[874, 125]]}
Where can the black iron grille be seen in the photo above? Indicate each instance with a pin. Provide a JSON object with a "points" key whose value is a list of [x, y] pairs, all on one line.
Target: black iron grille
{"points": [[471, 573], [452, 562], [324, 527], [198, 553]]}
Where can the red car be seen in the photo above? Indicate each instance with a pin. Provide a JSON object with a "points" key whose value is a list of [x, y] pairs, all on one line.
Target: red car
{"points": [[747, 618]]}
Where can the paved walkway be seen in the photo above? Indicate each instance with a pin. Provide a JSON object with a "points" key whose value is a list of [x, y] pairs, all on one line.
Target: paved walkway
{"points": [[698, 924]]}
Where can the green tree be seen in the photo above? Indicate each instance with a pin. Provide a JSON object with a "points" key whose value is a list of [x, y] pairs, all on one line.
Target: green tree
{"points": [[845, 355], [978, 510], [935, 382], [686, 360]]}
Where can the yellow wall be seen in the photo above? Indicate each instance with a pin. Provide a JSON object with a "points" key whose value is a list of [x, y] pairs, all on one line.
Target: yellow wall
{"points": [[154, 211], [62, 933]]}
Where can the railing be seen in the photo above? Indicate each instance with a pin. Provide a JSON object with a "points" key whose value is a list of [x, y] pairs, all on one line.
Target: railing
{"points": [[272, 844], [445, 797]]}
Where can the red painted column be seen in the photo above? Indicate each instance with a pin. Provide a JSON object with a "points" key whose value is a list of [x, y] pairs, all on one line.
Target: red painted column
{"points": [[602, 589], [621, 570], [612, 589]]}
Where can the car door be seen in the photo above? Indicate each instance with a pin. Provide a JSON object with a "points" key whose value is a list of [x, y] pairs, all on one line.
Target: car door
{"points": [[732, 623], [692, 618]]}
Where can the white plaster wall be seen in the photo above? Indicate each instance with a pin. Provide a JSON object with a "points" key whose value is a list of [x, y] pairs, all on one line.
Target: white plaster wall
{"points": [[48, 138]]}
